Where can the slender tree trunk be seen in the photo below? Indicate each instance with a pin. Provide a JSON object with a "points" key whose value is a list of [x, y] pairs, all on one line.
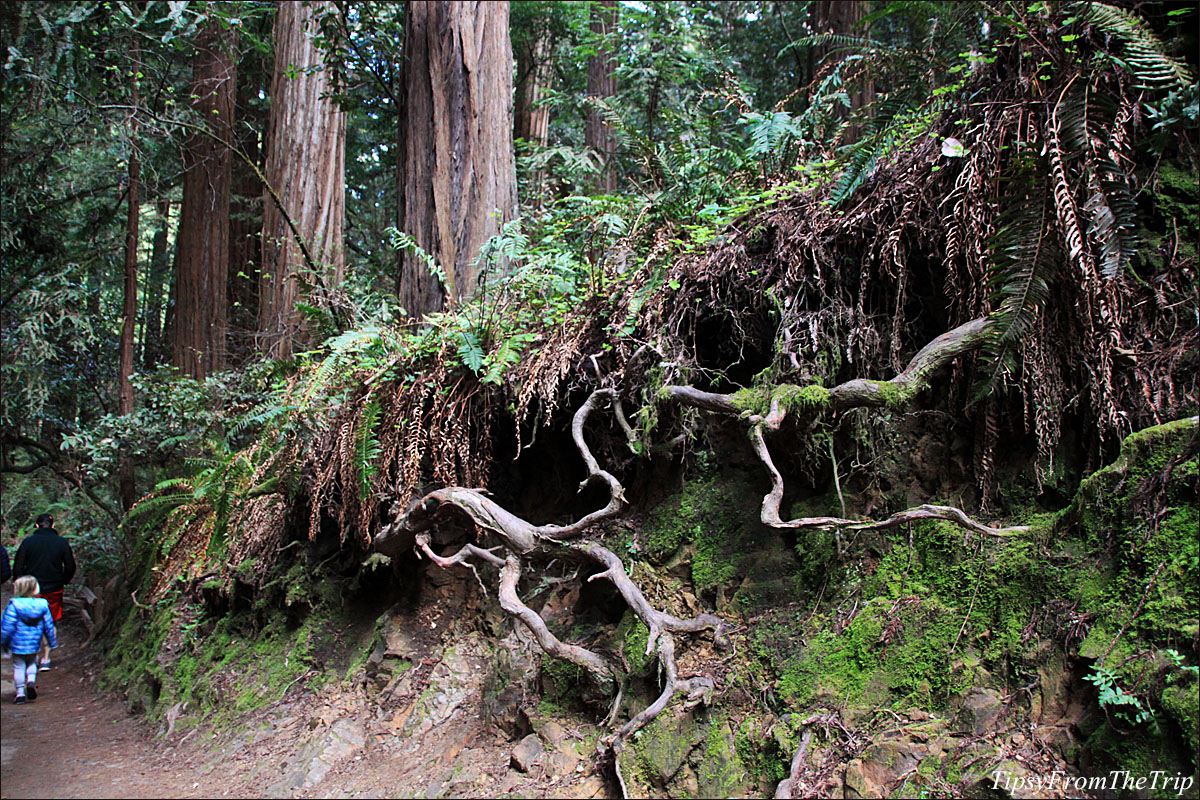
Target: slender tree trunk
{"points": [[457, 176], [126, 488], [306, 154], [602, 84], [152, 326], [532, 116], [202, 257]]}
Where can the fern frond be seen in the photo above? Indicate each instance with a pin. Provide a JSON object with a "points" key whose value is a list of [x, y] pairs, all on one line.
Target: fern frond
{"points": [[366, 446], [470, 352], [1147, 57], [896, 124], [1024, 261]]}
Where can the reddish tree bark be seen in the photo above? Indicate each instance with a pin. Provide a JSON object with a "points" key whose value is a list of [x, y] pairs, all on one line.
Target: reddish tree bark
{"points": [[602, 84], [202, 255], [457, 174], [246, 209], [306, 157], [531, 116], [126, 488]]}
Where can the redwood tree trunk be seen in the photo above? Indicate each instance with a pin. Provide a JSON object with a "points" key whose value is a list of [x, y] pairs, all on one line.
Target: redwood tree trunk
{"points": [[246, 209], [202, 257], [456, 168], [532, 117], [126, 488], [602, 84], [306, 155]]}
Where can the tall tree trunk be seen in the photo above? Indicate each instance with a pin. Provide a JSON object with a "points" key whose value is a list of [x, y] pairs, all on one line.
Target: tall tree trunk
{"points": [[531, 115], [306, 155], [126, 488], [202, 255], [246, 209], [456, 167], [840, 17], [602, 84], [152, 325]]}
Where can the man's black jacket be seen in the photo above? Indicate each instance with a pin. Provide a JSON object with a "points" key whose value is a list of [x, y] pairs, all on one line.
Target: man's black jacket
{"points": [[46, 556]]}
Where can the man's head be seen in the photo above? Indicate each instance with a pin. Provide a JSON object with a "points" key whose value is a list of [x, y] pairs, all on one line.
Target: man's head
{"points": [[45, 521]]}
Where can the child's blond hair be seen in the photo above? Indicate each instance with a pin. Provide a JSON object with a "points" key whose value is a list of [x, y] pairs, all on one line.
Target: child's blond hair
{"points": [[26, 586]]}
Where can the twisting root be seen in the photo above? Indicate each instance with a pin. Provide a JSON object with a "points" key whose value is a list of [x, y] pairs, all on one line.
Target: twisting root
{"points": [[855, 393], [521, 540], [699, 689], [510, 574]]}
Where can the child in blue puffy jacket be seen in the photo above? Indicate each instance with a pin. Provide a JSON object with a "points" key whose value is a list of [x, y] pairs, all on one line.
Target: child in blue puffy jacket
{"points": [[25, 621]]}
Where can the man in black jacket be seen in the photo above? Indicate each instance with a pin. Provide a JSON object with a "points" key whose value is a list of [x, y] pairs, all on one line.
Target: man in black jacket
{"points": [[46, 556]]}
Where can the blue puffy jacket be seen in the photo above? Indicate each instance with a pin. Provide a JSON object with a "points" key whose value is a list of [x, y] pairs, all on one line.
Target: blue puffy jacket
{"points": [[24, 622]]}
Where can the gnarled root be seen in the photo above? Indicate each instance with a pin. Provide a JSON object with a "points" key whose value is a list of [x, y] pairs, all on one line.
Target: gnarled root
{"points": [[854, 394], [521, 540]]}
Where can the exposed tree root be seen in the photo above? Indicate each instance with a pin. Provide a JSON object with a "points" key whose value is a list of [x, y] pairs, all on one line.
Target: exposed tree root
{"points": [[857, 393], [521, 541], [786, 790]]}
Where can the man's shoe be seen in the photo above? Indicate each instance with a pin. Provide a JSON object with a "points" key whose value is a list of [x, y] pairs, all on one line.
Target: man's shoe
{"points": [[19, 699], [44, 666], [31, 691]]}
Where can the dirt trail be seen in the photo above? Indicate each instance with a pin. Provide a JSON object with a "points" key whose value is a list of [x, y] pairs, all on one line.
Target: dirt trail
{"points": [[75, 742]]}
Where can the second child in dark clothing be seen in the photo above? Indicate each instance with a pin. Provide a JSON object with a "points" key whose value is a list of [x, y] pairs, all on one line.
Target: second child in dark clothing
{"points": [[47, 556]]}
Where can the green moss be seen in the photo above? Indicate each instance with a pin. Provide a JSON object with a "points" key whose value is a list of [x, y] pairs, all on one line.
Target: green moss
{"points": [[761, 752], [721, 772], [755, 400], [561, 682], [1140, 752], [1140, 514], [802, 400], [709, 515], [1181, 704], [631, 637], [806, 400], [889, 393]]}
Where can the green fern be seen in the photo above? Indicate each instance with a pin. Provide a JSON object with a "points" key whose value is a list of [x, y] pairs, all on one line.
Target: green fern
{"points": [[896, 123], [1025, 258], [470, 352], [1145, 55], [366, 446], [508, 354]]}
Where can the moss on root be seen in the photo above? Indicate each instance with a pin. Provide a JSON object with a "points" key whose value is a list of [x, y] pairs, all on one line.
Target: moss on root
{"points": [[801, 400]]}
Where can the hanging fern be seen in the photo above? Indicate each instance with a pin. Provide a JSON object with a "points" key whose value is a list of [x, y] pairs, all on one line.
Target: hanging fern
{"points": [[366, 446], [1025, 258], [1145, 56]]}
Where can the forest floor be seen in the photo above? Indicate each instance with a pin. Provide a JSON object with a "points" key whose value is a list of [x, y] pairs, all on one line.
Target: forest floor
{"points": [[77, 741]]}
